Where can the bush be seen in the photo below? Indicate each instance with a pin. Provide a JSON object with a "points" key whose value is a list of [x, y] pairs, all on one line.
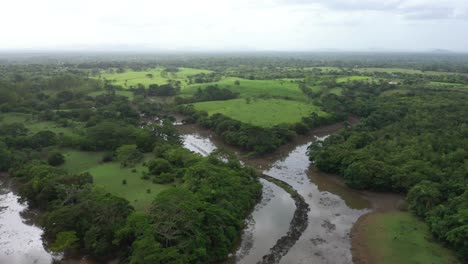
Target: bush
{"points": [[56, 159]]}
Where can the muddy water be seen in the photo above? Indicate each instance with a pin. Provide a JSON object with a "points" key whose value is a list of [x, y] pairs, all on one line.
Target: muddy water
{"points": [[334, 208], [331, 217], [270, 218], [20, 241]]}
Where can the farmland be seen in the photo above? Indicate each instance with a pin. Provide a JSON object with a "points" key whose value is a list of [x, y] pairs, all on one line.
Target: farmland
{"points": [[110, 176], [261, 112], [254, 88], [152, 76]]}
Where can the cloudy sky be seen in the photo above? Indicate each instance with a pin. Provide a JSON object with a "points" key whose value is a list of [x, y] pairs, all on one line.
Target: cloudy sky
{"points": [[282, 25]]}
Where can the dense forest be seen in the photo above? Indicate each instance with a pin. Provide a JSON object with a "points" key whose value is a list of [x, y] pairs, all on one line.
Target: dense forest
{"points": [[416, 144]]}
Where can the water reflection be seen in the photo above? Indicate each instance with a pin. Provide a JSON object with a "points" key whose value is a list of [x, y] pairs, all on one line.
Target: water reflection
{"points": [[326, 239], [19, 242]]}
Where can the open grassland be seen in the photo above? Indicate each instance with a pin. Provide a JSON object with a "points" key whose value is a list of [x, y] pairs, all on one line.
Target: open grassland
{"points": [[446, 84], [130, 77], [254, 88], [399, 237], [35, 126], [110, 176], [261, 112]]}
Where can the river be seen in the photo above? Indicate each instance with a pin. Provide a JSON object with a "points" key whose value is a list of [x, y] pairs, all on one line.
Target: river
{"points": [[20, 239], [334, 208]]}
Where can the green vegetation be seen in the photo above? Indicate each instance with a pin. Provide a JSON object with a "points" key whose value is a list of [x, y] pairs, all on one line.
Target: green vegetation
{"points": [[399, 237], [282, 88], [110, 177], [414, 143], [353, 78], [128, 94], [261, 112], [173, 206], [158, 76]]}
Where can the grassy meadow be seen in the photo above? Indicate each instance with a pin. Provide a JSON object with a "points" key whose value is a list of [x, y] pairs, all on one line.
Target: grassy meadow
{"points": [[261, 112], [399, 237], [110, 175], [130, 77], [35, 125], [254, 88]]}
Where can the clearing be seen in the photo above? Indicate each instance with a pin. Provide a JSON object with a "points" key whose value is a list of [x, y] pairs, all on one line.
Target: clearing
{"points": [[261, 112]]}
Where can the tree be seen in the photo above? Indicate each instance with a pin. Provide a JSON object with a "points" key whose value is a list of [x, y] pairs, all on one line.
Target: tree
{"points": [[65, 240], [5, 157], [236, 82], [158, 166], [149, 75], [128, 155], [56, 158]]}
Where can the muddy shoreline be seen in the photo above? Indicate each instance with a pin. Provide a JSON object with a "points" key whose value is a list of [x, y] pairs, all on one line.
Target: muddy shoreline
{"points": [[382, 203]]}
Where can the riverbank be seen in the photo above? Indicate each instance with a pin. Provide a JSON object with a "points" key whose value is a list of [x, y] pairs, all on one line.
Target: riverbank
{"points": [[323, 235], [389, 235]]}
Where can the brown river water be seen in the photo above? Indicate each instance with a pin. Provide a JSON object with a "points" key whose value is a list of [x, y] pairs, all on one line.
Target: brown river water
{"points": [[334, 209]]}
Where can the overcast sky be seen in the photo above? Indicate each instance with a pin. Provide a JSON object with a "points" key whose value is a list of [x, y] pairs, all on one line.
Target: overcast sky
{"points": [[281, 25]]}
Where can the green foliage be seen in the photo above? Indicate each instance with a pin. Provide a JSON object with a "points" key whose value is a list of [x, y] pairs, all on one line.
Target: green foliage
{"points": [[128, 155], [55, 158], [399, 237], [65, 240], [415, 143], [262, 112]]}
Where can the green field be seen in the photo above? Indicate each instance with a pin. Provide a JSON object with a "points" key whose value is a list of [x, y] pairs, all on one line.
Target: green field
{"points": [[110, 176], [399, 237], [261, 112], [129, 77], [254, 88], [446, 84], [35, 126]]}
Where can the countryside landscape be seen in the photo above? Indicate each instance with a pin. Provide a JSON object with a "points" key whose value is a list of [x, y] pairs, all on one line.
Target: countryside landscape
{"points": [[234, 132]]}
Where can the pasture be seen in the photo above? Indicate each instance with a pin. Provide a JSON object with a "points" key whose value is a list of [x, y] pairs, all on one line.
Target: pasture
{"points": [[158, 76], [399, 237], [261, 112], [110, 176], [34, 125], [280, 88]]}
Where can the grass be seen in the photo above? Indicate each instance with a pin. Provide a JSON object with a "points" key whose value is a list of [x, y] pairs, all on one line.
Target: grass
{"points": [[261, 112], [35, 126], [254, 88], [446, 84], [110, 176], [130, 77], [399, 237]]}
